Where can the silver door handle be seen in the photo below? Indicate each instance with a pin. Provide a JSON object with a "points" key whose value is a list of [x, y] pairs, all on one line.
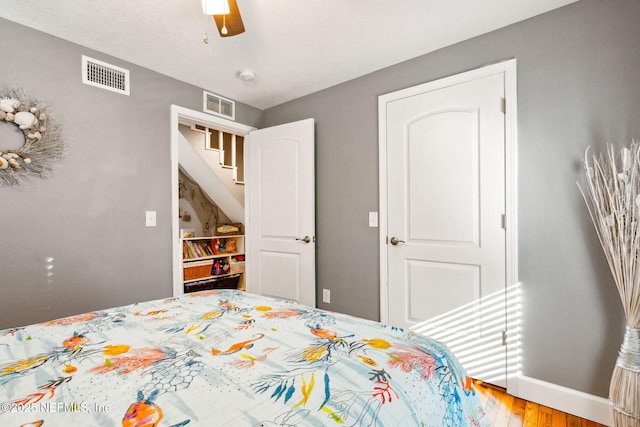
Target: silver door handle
{"points": [[394, 241], [306, 239]]}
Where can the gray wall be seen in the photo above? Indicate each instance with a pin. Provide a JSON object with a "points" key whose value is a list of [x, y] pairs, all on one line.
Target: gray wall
{"points": [[578, 85], [89, 217]]}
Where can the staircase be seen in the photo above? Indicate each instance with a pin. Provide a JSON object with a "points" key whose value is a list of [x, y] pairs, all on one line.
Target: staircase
{"points": [[230, 151], [214, 159]]}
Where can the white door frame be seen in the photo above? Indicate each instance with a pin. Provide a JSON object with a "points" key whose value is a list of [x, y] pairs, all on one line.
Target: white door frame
{"points": [[181, 115], [509, 70]]}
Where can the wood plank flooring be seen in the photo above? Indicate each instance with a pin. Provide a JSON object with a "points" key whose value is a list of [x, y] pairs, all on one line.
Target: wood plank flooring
{"points": [[505, 410]]}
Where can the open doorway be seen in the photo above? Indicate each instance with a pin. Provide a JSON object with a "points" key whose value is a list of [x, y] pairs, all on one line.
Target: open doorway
{"points": [[279, 203], [181, 116]]}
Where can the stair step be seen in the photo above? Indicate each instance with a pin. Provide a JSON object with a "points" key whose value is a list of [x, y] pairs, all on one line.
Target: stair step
{"points": [[230, 148]]}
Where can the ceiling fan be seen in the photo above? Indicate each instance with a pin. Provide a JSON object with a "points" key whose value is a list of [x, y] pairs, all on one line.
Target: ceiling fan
{"points": [[226, 16]]}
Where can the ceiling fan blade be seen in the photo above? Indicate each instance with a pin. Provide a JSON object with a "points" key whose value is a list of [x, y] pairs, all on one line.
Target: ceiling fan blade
{"points": [[232, 20]]}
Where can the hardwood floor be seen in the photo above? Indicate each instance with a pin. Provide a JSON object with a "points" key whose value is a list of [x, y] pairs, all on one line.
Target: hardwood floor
{"points": [[505, 410]]}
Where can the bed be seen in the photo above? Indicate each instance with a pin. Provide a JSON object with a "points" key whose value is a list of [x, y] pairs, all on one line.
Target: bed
{"points": [[227, 357]]}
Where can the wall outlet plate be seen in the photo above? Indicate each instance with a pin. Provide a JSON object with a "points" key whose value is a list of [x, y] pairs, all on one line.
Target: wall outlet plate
{"points": [[373, 219], [326, 296]]}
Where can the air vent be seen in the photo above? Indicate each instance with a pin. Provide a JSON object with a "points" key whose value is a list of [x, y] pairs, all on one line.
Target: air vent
{"points": [[215, 104], [105, 76]]}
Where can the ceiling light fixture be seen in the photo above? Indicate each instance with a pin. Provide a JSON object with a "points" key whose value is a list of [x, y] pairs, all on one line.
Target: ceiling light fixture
{"points": [[226, 16], [215, 7]]}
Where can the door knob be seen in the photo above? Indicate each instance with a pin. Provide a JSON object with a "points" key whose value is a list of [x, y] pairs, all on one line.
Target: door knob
{"points": [[306, 239], [394, 241]]}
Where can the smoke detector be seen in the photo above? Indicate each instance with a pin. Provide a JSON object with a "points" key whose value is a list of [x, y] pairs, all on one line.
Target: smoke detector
{"points": [[246, 75]]}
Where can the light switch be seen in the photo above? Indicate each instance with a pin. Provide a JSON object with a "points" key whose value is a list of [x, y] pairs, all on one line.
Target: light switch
{"points": [[373, 219], [151, 218]]}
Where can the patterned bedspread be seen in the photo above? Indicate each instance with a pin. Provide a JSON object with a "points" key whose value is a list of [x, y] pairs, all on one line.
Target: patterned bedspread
{"points": [[228, 358]]}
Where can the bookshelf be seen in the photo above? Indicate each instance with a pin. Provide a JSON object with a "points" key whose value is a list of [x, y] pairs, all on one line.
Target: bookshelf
{"points": [[215, 262]]}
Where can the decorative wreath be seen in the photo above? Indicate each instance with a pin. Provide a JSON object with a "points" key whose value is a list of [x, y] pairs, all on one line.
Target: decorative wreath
{"points": [[42, 139]]}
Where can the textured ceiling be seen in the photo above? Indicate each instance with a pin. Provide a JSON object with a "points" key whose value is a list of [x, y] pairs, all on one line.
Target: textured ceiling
{"points": [[296, 47]]}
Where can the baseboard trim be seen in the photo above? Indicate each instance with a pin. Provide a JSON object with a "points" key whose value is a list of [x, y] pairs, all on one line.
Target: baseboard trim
{"points": [[564, 399]]}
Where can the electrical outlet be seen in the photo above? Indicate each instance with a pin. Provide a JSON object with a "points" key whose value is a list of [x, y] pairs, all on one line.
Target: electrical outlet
{"points": [[326, 296]]}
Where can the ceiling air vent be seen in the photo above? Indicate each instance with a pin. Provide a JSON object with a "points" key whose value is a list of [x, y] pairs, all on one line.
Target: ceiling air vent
{"points": [[215, 104], [105, 76]]}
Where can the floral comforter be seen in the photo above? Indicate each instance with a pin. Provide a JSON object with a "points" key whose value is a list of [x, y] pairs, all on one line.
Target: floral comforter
{"points": [[228, 358]]}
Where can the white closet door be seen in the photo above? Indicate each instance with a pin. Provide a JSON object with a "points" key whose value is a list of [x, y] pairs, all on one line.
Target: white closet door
{"points": [[444, 150]]}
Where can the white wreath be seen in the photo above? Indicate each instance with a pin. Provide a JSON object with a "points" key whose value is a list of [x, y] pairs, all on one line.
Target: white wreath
{"points": [[42, 139]]}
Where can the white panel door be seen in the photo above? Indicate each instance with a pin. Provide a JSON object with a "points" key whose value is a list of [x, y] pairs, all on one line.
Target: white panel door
{"points": [[280, 197], [446, 245]]}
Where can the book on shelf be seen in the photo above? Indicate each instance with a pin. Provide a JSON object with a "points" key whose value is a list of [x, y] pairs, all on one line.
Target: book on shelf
{"points": [[209, 246], [196, 249]]}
